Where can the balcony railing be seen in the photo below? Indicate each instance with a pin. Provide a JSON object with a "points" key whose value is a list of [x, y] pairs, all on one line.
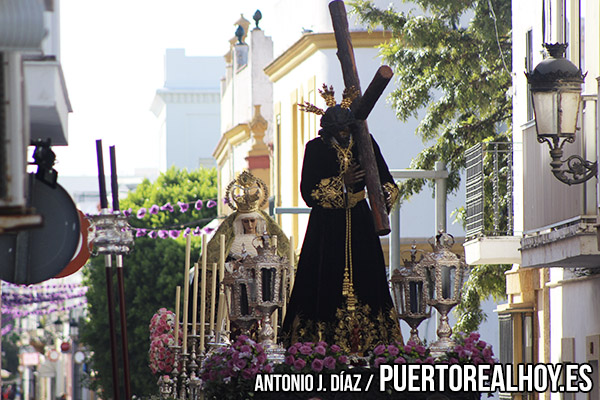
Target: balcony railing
{"points": [[489, 187]]}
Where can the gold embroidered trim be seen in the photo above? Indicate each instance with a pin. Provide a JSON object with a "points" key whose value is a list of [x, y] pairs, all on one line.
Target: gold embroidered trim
{"points": [[344, 155], [356, 332], [329, 193]]}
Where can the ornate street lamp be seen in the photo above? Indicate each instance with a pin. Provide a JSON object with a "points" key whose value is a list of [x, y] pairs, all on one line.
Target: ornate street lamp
{"points": [[445, 272], [411, 289], [267, 269], [555, 85]]}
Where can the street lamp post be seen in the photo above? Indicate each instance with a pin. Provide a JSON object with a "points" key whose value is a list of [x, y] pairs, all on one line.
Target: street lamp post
{"points": [[555, 85]]}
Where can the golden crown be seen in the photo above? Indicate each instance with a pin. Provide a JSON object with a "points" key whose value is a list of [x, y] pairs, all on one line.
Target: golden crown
{"points": [[328, 94], [246, 193]]}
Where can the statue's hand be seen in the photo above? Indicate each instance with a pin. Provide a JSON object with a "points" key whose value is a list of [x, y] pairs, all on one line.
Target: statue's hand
{"points": [[353, 175]]}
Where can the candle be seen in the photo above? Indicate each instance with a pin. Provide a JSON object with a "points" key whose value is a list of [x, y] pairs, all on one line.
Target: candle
{"points": [[203, 307], [213, 297], [292, 271], [275, 324], [114, 186], [101, 178], [221, 310], [195, 290], [186, 296], [177, 296], [284, 293], [274, 242]]}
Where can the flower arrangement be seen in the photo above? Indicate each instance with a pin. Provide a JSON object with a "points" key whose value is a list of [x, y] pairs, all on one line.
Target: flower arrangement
{"points": [[314, 357], [163, 321], [396, 353], [230, 371], [470, 349], [160, 355]]}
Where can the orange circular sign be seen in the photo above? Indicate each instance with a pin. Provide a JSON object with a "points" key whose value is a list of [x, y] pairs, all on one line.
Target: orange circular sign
{"points": [[82, 254]]}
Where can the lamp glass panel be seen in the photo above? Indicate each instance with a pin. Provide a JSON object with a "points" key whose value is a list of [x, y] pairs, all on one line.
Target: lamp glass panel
{"points": [[416, 294], [399, 296], [448, 277], [569, 104], [545, 105]]}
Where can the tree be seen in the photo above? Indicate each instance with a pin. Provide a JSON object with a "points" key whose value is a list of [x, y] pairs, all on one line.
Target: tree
{"points": [[151, 273], [458, 74]]}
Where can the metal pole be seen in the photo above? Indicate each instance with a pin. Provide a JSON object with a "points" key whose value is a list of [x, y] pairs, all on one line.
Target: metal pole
{"points": [[111, 324], [440, 199], [123, 318]]}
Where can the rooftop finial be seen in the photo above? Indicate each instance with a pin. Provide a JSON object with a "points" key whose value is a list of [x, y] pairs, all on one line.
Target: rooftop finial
{"points": [[257, 17], [239, 33]]}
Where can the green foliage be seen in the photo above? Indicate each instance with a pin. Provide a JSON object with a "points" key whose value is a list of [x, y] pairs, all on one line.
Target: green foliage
{"points": [[151, 273], [456, 76], [10, 353]]}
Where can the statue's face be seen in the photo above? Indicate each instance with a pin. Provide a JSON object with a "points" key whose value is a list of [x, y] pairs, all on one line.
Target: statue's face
{"points": [[342, 136], [249, 225]]}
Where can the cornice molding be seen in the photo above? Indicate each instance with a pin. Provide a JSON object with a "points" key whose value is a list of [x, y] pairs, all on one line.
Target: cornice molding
{"points": [[232, 137], [310, 43]]}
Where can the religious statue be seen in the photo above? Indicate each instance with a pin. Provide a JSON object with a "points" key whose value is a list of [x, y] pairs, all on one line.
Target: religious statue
{"points": [[341, 294], [246, 196]]}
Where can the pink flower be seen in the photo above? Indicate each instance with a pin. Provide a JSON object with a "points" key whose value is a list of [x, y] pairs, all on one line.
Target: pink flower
{"points": [[320, 349], [153, 235], [453, 360], [198, 205], [211, 204], [141, 213], [329, 362], [343, 359], [240, 363], [393, 350], [245, 349], [379, 361], [174, 233], [481, 344], [293, 350], [268, 368], [261, 358], [379, 350], [299, 364], [335, 348], [247, 374], [163, 234], [140, 232], [421, 350], [167, 207], [153, 209], [183, 207], [317, 365], [400, 360], [289, 359], [305, 349]]}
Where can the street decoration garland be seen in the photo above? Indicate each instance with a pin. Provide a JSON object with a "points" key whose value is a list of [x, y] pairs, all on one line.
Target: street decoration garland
{"points": [[20, 301], [165, 233]]}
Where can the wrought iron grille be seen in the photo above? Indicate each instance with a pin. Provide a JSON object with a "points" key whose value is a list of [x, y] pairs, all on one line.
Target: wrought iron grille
{"points": [[489, 203]]}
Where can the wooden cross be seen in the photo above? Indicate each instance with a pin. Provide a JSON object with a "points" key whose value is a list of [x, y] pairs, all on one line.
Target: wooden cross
{"points": [[361, 107]]}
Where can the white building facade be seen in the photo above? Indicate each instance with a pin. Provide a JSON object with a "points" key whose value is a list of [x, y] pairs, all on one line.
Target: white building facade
{"points": [[553, 287], [188, 109]]}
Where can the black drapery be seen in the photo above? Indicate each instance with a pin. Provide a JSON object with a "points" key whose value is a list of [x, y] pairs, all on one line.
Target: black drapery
{"points": [[313, 310]]}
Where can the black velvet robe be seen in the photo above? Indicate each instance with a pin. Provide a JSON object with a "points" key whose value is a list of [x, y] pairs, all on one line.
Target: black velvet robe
{"points": [[313, 310]]}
